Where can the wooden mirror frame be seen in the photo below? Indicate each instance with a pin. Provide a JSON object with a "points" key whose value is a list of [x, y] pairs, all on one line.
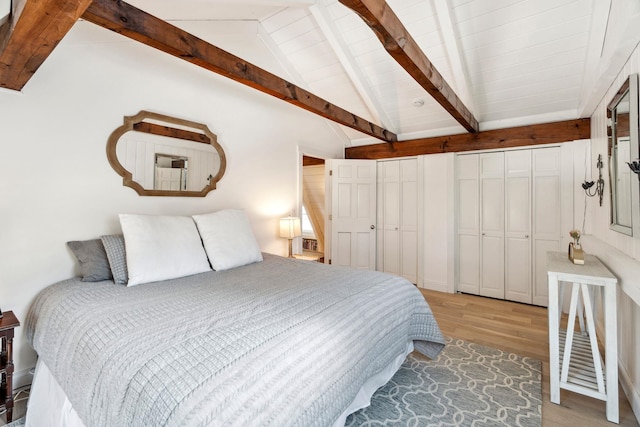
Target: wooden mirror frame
{"points": [[138, 123], [630, 87]]}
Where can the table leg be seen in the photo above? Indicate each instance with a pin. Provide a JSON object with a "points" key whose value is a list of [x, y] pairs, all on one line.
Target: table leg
{"points": [[554, 339], [611, 348]]}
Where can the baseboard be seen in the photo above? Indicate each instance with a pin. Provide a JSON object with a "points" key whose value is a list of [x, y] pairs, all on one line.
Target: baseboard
{"points": [[629, 390], [435, 286], [22, 378]]}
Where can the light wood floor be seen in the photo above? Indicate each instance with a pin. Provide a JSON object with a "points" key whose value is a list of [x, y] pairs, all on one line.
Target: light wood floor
{"points": [[520, 329]]}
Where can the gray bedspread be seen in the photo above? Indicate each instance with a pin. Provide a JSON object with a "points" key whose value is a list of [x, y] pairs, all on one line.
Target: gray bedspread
{"points": [[281, 342]]}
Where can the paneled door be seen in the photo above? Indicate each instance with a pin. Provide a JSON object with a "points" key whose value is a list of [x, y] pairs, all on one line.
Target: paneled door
{"points": [[518, 226], [547, 223], [353, 213], [398, 209], [492, 225], [468, 220]]}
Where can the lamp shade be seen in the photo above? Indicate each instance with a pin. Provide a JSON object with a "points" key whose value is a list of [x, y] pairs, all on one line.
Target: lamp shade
{"points": [[290, 227]]}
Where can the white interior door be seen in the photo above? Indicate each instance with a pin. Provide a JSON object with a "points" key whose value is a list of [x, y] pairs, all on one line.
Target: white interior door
{"points": [[398, 224], [518, 226], [409, 219], [468, 224], [353, 213], [547, 230], [168, 179], [492, 225]]}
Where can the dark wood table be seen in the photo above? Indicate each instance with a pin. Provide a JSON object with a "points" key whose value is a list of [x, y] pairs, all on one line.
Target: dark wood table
{"points": [[8, 322]]}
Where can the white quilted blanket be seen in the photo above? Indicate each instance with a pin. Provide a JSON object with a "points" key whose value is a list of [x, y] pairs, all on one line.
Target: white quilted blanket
{"points": [[281, 342]]}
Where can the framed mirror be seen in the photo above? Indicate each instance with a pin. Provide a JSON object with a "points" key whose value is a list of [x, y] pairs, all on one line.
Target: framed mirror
{"points": [[160, 155], [622, 132]]}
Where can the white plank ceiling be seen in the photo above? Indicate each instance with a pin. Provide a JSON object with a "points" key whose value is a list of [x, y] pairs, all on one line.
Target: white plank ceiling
{"points": [[512, 62]]}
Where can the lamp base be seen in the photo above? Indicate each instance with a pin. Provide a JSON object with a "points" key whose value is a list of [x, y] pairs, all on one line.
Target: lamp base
{"points": [[290, 248]]}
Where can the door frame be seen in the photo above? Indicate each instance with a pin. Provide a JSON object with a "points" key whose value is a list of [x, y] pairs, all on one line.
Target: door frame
{"points": [[302, 151]]}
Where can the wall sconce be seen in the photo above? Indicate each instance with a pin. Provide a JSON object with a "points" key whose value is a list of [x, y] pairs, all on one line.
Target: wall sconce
{"points": [[290, 228], [599, 190]]}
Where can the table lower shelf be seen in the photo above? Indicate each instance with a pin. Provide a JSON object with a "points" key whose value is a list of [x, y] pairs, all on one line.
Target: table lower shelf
{"points": [[582, 377]]}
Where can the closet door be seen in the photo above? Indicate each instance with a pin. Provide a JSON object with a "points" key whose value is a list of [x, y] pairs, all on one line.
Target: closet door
{"points": [[409, 219], [468, 223], [492, 225], [398, 217], [389, 216], [518, 226], [546, 216]]}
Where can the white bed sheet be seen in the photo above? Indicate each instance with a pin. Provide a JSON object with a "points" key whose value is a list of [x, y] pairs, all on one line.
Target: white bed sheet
{"points": [[49, 406]]}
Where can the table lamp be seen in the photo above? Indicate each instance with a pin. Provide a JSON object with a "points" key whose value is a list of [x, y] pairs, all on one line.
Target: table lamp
{"points": [[290, 228]]}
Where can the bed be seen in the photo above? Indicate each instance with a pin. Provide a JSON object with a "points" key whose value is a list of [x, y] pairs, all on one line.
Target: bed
{"points": [[278, 342]]}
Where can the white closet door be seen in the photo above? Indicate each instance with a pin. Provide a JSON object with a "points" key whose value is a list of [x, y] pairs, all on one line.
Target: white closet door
{"points": [[409, 219], [518, 226], [546, 216], [468, 224], [492, 225], [398, 217], [390, 206]]}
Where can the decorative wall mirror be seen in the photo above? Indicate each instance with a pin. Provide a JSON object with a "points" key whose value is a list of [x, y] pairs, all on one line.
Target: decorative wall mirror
{"points": [[622, 131], [160, 155]]}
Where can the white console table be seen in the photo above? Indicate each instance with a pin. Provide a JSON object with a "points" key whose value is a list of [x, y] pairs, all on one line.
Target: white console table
{"points": [[582, 368]]}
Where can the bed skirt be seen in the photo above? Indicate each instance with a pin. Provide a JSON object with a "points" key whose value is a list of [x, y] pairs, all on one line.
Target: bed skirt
{"points": [[50, 407]]}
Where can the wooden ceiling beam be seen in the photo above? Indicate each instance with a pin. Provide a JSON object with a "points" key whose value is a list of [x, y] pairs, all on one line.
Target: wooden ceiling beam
{"points": [[33, 30], [138, 25], [405, 50], [547, 133]]}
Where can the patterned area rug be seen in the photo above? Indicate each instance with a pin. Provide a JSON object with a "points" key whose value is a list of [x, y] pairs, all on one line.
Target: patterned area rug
{"points": [[16, 423], [467, 385]]}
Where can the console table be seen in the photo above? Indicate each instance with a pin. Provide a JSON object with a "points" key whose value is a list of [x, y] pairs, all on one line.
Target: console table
{"points": [[582, 368]]}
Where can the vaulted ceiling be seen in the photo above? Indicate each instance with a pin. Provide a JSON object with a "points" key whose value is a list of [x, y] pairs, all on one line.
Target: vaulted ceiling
{"points": [[510, 62]]}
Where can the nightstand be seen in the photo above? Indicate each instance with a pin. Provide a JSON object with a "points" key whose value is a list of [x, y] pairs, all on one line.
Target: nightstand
{"points": [[8, 322]]}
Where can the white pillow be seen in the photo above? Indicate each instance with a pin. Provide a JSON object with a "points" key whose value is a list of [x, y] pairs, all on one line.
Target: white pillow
{"points": [[228, 239], [161, 248]]}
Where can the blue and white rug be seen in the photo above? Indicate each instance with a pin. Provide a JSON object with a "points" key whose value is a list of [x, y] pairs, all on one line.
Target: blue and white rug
{"points": [[467, 385]]}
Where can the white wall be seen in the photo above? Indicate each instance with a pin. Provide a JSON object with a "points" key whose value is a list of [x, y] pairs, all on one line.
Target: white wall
{"points": [[621, 253], [56, 184]]}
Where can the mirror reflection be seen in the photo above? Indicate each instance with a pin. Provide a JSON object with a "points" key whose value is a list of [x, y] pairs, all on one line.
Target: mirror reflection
{"points": [[623, 149], [159, 155]]}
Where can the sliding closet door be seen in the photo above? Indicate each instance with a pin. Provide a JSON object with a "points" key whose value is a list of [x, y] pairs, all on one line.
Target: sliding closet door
{"points": [[468, 223], [518, 226], [492, 225]]}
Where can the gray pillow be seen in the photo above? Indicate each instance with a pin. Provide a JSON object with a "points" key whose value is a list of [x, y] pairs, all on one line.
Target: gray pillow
{"points": [[94, 265], [116, 254]]}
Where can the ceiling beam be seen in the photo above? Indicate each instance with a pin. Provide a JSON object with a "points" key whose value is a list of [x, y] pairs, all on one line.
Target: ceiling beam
{"points": [[138, 25], [33, 30], [547, 133], [405, 50]]}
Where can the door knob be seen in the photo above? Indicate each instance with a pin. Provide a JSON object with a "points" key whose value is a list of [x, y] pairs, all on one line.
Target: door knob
{"points": [[373, 227], [526, 236]]}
